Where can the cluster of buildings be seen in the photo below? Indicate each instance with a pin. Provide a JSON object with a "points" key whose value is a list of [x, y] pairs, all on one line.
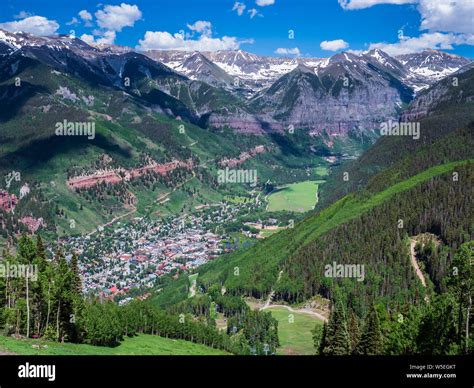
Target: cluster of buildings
{"points": [[114, 261]]}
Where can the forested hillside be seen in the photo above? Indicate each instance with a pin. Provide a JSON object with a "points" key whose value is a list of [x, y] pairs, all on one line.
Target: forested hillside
{"points": [[446, 134]]}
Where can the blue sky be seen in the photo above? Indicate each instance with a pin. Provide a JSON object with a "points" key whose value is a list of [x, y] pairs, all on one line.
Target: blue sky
{"points": [[268, 27]]}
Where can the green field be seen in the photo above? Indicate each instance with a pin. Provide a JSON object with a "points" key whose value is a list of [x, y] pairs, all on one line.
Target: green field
{"points": [[268, 232], [294, 331], [321, 171], [297, 197], [140, 345]]}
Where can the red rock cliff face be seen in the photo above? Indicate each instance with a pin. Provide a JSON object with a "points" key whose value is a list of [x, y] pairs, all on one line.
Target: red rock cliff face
{"points": [[117, 175], [243, 157], [33, 224], [7, 201]]}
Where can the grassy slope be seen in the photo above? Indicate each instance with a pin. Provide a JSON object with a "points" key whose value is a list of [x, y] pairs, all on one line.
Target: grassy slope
{"points": [[267, 256], [139, 345], [295, 334]]}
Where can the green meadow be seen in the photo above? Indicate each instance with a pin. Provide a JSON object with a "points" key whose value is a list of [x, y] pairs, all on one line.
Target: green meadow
{"points": [[296, 197], [294, 331]]}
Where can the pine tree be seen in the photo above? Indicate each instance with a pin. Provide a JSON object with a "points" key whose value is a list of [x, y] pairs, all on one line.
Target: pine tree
{"points": [[371, 341], [318, 333], [40, 250], [323, 342], [337, 336], [354, 332], [76, 278], [461, 284]]}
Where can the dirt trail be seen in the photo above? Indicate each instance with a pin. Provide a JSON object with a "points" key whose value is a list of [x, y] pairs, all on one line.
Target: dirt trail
{"points": [[292, 310], [414, 263], [272, 292], [416, 267], [268, 304], [112, 221], [164, 196]]}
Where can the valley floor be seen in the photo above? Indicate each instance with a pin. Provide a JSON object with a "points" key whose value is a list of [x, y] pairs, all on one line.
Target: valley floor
{"points": [[297, 197]]}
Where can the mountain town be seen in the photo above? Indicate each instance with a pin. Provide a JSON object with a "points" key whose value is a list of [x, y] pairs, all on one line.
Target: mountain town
{"points": [[252, 178]]}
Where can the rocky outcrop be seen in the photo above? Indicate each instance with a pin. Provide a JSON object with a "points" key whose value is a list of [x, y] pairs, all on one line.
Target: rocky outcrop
{"points": [[451, 89], [343, 95], [243, 157], [118, 175], [33, 224], [8, 201]]}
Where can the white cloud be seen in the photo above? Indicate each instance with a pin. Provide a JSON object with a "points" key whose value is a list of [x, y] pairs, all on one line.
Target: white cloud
{"points": [[73, 22], [448, 23], [23, 15], [184, 41], [447, 16], [85, 15], [434, 40], [359, 4], [436, 15], [89, 39], [116, 17], [288, 51], [162, 40], [334, 45], [264, 3], [201, 26], [36, 25], [239, 8], [107, 38]]}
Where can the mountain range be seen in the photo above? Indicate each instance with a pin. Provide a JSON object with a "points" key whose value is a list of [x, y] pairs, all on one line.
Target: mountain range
{"points": [[172, 105], [243, 91]]}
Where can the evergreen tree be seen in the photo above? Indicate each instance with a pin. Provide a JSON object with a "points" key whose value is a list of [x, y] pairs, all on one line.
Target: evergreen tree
{"points": [[461, 284], [437, 332], [318, 333], [353, 327], [337, 336], [323, 342], [371, 342], [76, 278]]}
